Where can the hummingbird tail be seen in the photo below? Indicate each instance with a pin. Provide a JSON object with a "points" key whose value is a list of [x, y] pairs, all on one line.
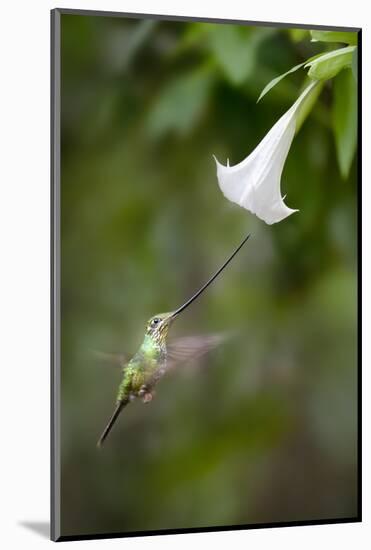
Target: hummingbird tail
{"points": [[120, 405]]}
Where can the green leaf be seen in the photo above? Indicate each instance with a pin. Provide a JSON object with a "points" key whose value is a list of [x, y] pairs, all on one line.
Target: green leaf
{"points": [[193, 34], [335, 36], [180, 104], [308, 104], [297, 35], [235, 49], [355, 65], [330, 64], [345, 120], [278, 79]]}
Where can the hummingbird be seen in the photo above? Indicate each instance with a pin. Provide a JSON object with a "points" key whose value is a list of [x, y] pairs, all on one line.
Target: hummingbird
{"points": [[156, 356]]}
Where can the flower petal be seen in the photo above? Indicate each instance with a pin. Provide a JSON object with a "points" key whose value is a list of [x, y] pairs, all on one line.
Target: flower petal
{"points": [[254, 183]]}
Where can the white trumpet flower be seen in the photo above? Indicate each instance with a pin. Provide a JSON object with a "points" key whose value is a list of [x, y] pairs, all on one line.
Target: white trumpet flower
{"points": [[255, 182]]}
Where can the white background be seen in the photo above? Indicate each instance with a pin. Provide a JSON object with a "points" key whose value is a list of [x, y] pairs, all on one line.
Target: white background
{"points": [[24, 271]]}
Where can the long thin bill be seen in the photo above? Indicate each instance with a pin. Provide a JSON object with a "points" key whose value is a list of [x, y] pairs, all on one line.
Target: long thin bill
{"points": [[204, 287]]}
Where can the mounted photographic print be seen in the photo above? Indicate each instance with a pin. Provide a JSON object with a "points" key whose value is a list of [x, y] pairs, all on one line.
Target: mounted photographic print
{"points": [[205, 302]]}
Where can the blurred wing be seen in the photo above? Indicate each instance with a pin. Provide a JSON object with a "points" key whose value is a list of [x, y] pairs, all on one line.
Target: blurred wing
{"points": [[114, 359], [189, 348]]}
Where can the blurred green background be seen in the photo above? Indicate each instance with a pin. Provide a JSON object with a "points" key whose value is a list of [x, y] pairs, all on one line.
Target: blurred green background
{"points": [[265, 428]]}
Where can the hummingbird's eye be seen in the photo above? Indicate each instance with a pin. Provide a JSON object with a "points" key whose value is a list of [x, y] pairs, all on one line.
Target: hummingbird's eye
{"points": [[155, 321]]}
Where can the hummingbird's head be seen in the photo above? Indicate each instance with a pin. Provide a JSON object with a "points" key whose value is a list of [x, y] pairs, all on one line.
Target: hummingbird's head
{"points": [[158, 326]]}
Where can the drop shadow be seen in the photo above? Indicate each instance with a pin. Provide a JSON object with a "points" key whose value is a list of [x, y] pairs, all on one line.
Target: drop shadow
{"points": [[42, 528]]}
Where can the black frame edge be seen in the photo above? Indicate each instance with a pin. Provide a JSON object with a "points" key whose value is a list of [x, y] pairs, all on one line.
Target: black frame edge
{"points": [[359, 273], [169, 17], [55, 274], [215, 529]]}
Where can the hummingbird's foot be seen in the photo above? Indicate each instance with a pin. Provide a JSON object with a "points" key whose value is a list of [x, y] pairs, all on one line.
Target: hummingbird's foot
{"points": [[147, 397], [145, 394]]}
